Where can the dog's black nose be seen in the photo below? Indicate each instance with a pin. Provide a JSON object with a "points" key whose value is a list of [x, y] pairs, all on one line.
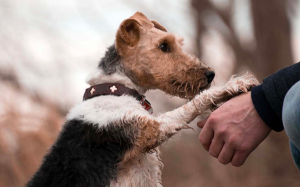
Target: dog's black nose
{"points": [[210, 76]]}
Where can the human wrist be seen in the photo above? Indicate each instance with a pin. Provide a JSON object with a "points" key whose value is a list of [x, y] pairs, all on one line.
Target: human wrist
{"points": [[264, 110]]}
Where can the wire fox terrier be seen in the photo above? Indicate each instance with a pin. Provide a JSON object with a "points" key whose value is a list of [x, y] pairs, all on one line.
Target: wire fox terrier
{"points": [[111, 139]]}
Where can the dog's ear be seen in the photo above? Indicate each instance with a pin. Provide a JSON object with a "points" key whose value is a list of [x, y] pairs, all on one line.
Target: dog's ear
{"points": [[128, 35], [159, 26]]}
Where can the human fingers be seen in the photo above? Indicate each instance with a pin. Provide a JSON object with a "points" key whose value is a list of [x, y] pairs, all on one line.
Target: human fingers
{"points": [[205, 137], [226, 154], [239, 158], [216, 147], [201, 124]]}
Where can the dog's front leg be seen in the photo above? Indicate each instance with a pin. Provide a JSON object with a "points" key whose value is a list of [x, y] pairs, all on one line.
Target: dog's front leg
{"points": [[154, 131], [208, 99]]}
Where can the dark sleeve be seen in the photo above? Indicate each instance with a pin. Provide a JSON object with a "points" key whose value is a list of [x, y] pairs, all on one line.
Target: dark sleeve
{"points": [[268, 97]]}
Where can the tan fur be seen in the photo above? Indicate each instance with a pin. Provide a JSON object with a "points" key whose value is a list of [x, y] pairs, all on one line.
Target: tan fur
{"points": [[148, 136], [159, 26], [174, 72]]}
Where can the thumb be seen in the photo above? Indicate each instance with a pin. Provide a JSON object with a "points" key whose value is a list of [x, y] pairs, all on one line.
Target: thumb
{"points": [[201, 124]]}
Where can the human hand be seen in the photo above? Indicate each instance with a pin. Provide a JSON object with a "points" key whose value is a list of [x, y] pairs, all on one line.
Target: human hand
{"points": [[233, 131]]}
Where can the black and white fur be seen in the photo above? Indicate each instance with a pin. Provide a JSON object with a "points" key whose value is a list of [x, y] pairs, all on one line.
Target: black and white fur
{"points": [[90, 146], [97, 134]]}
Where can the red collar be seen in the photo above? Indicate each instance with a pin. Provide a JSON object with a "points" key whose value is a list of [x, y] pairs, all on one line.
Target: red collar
{"points": [[117, 90]]}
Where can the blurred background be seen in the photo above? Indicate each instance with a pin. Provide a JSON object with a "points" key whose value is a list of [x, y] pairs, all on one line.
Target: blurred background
{"points": [[47, 49]]}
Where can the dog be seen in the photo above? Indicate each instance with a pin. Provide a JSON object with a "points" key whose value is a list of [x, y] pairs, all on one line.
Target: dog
{"points": [[111, 138]]}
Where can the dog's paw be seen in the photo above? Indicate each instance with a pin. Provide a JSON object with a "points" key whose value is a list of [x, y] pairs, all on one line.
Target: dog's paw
{"points": [[242, 84], [215, 96]]}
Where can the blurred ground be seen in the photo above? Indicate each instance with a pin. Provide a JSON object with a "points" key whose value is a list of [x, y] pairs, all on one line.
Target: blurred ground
{"points": [[47, 49]]}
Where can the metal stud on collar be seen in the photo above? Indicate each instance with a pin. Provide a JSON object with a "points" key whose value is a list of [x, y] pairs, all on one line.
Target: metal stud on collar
{"points": [[113, 88]]}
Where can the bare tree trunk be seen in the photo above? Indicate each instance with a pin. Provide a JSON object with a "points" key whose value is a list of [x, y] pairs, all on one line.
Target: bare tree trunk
{"points": [[273, 37], [271, 28], [201, 6]]}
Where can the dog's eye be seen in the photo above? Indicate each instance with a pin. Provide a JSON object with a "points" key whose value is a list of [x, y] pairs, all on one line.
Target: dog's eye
{"points": [[164, 47]]}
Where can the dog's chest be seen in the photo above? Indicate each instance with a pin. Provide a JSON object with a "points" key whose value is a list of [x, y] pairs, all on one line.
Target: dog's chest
{"points": [[144, 171]]}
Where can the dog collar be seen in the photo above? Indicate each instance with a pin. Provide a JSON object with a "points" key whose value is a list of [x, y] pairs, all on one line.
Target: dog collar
{"points": [[117, 90]]}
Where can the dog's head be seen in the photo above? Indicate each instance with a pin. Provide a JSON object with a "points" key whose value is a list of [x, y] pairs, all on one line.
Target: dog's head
{"points": [[153, 59]]}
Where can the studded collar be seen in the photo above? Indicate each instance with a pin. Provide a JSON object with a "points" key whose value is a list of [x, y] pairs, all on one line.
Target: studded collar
{"points": [[117, 90]]}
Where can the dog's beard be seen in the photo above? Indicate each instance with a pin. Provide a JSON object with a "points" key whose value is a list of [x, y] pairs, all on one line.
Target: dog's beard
{"points": [[188, 89]]}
